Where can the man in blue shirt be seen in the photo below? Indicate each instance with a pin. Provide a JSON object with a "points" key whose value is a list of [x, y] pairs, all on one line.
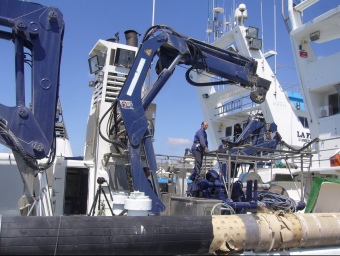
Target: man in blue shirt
{"points": [[199, 147]]}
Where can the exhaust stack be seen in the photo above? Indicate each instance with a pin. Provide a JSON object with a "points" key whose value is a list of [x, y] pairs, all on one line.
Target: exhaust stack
{"points": [[131, 38]]}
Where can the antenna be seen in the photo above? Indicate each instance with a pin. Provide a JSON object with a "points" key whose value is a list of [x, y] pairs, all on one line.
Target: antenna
{"points": [[147, 87], [215, 25], [240, 15], [153, 12]]}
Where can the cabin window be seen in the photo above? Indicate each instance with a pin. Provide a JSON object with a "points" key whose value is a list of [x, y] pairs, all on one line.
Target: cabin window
{"points": [[304, 121], [228, 131], [334, 103], [124, 58]]}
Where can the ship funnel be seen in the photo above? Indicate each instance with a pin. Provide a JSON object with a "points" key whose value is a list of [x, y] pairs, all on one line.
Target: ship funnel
{"points": [[114, 40], [131, 38]]}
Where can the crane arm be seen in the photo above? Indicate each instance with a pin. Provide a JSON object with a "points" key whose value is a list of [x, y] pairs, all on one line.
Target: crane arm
{"points": [[173, 49], [37, 34]]}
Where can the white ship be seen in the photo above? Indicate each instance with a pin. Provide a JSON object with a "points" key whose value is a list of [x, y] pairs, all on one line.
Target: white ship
{"points": [[87, 205]]}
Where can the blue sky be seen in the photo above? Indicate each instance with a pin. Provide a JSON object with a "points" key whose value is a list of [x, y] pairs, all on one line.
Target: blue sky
{"points": [[178, 111]]}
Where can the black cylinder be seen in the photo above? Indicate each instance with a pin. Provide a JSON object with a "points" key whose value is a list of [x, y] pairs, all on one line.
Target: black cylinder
{"points": [[131, 38], [100, 235], [113, 40]]}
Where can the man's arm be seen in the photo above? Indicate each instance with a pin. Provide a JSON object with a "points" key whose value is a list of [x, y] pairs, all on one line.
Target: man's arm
{"points": [[202, 139]]}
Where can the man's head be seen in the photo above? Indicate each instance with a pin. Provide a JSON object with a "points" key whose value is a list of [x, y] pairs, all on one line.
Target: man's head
{"points": [[204, 125]]}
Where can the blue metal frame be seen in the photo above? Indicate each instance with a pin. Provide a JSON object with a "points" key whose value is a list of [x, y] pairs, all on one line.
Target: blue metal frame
{"points": [[39, 29], [172, 49]]}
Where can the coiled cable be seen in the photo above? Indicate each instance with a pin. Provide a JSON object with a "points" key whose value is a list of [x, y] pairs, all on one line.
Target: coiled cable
{"points": [[276, 201]]}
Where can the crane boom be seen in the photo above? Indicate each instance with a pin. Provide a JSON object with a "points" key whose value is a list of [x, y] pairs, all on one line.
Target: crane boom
{"points": [[173, 49]]}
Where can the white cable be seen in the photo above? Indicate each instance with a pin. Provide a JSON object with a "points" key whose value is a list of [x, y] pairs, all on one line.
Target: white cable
{"points": [[228, 207]]}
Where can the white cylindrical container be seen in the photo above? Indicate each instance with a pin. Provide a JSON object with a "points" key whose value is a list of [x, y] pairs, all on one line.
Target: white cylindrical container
{"points": [[118, 202], [138, 204]]}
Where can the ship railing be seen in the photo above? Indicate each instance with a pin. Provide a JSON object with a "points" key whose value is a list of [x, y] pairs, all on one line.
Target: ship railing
{"points": [[288, 158], [262, 155], [60, 126], [242, 103]]}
